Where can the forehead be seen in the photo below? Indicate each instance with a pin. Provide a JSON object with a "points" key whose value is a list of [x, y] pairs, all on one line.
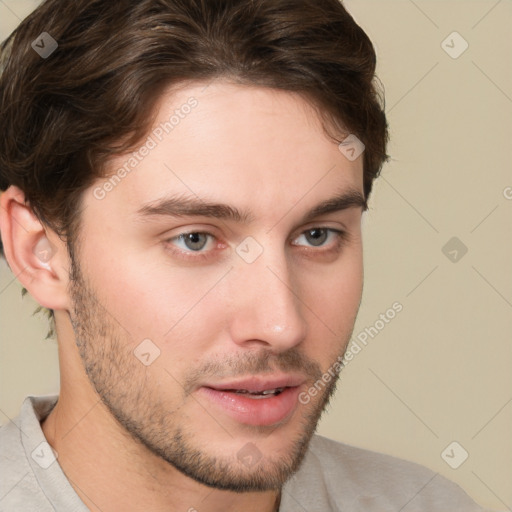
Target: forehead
{"points": [[251, 146]]}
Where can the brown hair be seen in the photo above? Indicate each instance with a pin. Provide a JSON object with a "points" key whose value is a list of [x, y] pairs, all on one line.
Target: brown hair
{"points": [[62, 116]]}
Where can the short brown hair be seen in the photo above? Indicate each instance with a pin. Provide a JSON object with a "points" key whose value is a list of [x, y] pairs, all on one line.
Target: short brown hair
{"points": [[63, 116]]}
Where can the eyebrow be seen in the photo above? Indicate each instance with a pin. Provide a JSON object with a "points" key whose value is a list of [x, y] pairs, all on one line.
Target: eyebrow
{"points": [[187, 206]]}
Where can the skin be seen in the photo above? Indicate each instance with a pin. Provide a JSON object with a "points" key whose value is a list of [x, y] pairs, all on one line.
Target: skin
{"points": [[122, 428]]}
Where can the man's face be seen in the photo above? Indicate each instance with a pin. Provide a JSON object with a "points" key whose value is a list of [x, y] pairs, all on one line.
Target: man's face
{"points": [[178, 317]]}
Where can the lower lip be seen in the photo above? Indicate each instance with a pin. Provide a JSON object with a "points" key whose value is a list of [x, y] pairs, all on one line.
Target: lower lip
{"points": [[255, 411]]}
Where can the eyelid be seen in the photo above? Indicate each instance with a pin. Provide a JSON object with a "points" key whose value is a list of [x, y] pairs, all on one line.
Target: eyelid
{"points": [[320, 227], [196, 254], [185, 255]]}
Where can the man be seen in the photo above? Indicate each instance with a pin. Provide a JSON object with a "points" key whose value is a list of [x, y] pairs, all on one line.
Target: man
{"points": [[183, 183]]}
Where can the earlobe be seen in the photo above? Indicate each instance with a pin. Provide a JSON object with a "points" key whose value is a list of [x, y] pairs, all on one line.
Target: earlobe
{"points": [[40, 264]]}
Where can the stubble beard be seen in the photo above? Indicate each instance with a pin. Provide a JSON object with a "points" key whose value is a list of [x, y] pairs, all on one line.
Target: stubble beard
{"points": [[132, 397]]}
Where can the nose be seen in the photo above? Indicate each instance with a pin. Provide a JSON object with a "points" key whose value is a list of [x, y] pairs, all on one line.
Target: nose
{"points": [[266, 304]]}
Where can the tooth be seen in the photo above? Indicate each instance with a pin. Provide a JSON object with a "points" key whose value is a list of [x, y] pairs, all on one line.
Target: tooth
{"points": [[264, 393]]}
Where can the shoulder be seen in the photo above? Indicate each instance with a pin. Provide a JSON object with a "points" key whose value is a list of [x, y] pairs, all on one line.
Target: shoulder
{"points": [[346, 477], [19, 490]]}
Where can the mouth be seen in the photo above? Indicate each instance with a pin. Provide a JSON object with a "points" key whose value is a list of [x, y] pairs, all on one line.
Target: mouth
{"points": [[257, 395], [256, 401]]}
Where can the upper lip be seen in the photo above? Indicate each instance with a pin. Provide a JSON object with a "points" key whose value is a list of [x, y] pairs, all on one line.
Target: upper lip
{"points": [[256, 384]]}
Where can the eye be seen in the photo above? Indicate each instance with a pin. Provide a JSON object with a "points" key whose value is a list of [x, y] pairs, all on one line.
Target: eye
{"points": [[198, 245], [194, 241], [317, 237]]}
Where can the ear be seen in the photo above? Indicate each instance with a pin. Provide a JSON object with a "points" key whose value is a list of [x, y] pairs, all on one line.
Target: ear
{"points": [[36, 255]]}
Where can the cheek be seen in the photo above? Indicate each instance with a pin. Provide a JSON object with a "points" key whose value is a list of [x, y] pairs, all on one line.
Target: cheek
{"points": [[336, 292], [334, 300], [154, 300], [341, 303], [128, 292]]}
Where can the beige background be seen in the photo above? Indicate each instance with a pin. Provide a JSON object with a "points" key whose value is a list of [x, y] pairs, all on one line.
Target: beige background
{"points": [[440, 370]]}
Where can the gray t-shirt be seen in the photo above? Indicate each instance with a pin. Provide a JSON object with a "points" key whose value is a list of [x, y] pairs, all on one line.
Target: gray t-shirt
{"points": [[333, 477]]}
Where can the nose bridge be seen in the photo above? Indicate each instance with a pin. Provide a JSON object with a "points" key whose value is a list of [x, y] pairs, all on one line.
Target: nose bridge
{"points": [[267, 302]]}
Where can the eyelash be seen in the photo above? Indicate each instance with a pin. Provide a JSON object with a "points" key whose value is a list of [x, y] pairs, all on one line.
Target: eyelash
{"points": [[341, 239]]}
